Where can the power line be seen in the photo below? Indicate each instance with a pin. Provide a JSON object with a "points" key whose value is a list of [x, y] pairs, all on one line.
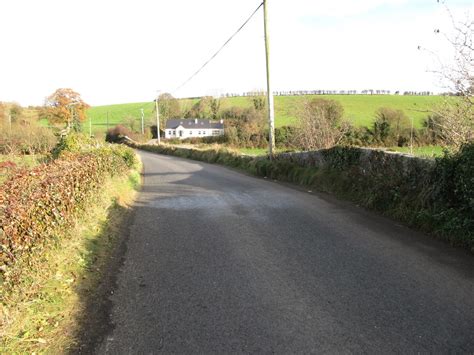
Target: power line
{"points": [[220, 49]]}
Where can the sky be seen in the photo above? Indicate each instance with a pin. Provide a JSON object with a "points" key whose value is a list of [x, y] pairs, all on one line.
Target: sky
{"points": [[120, 51]]}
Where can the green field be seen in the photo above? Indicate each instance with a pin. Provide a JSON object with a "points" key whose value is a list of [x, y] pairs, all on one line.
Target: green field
{"points": [[358, 109], [426, 151]]}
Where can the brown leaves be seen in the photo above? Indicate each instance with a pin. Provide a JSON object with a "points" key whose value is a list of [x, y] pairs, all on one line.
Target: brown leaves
{"points": [[37, 205], [65, 105]]}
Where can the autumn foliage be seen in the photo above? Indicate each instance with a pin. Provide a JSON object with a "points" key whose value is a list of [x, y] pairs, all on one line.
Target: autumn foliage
{"points": [[65, 106]]}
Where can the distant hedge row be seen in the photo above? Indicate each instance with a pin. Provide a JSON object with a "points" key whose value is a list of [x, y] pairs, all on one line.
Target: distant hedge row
{"points": [[436, 196], [38, 205]]}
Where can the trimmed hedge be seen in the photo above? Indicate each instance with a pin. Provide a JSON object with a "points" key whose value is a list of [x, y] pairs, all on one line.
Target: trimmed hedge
{"points": [[38, 205], [436, 196]]}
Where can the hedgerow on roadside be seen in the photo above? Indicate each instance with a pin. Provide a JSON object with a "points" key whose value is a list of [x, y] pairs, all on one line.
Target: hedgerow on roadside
{"points": [[37, 206]]}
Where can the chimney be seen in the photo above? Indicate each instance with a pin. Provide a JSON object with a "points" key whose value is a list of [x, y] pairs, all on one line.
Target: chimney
{"points": [[195, 121], [222, 121]]}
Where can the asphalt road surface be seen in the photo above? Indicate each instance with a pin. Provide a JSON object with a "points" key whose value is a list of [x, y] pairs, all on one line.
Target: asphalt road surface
{"points": [[221, 262]]}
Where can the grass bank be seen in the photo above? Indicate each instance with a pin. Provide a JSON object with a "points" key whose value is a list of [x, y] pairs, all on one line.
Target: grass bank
{"points": [[433, 195], [47, 311]]}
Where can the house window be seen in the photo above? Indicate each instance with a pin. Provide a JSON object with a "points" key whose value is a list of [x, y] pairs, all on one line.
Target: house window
{"points": [[190, 132], [169, 132], [174, 133], [199, 132]]}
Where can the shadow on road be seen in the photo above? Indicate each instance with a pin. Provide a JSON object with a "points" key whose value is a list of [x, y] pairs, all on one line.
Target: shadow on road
{"points": [[95, 288]]}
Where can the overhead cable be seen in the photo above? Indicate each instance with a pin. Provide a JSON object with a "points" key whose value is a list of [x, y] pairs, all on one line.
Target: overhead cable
{"points": [[220, 49]]}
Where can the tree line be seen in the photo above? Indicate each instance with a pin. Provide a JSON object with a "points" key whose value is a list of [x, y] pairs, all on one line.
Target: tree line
{"points": [[329, 92]]}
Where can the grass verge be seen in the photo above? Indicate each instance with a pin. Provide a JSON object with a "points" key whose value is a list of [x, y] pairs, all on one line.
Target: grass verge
{"points": [[48, 311]]}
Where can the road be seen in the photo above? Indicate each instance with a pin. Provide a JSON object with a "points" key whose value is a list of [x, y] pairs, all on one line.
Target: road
{"points": [[221, 262]]}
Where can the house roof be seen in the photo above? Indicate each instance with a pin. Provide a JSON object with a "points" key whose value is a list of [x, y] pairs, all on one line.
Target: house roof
{"points": [[191, 124]]}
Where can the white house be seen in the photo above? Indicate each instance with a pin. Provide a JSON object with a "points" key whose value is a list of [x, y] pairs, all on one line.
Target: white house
{"points": [[189, 128]]}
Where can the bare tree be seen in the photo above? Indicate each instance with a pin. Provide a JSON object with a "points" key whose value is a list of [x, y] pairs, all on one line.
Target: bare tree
{"points": [[320, 124], [455, 115]]}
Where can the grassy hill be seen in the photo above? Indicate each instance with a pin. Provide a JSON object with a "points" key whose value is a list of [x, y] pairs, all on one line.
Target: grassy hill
{"points": [[359, 109]]}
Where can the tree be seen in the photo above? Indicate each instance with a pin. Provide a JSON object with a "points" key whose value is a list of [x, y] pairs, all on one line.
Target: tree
{"points": [[320, 124], [390, 125], [246, 126], [455, 116], [201, 109], [259, 102], [215, 106], [15, 112], [65, 106], [169, 106]]}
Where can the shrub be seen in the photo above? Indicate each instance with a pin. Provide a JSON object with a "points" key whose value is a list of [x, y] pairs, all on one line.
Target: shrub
{"points": [[117, 134], [451, 195], [391, 127], [284, 136], [320, 124], [73, 143], [25, 138], [245, 126]]}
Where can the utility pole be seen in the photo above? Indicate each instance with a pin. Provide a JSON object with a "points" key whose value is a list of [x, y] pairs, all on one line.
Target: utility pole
{"points": [[10, 122], [143, 127], [271, 110], [157, 108]]}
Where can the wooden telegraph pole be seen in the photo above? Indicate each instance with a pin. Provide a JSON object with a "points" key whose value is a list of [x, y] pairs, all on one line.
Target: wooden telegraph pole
{"points": [[271, 110], [157, 108]]}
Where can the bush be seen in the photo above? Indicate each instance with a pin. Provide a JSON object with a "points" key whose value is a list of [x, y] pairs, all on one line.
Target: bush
{"points": [[391, 127], [117, 134], [26, 139], [37, 205], [245, 126], [73, 143], [452, 195], [320, 124], [284, 136]]}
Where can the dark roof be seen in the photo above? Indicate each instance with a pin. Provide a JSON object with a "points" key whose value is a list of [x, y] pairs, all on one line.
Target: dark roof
{"points": [[191, 123]]}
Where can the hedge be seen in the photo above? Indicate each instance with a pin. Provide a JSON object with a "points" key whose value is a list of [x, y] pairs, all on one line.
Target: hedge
{"points": [[37, 206], [436, 196]]}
